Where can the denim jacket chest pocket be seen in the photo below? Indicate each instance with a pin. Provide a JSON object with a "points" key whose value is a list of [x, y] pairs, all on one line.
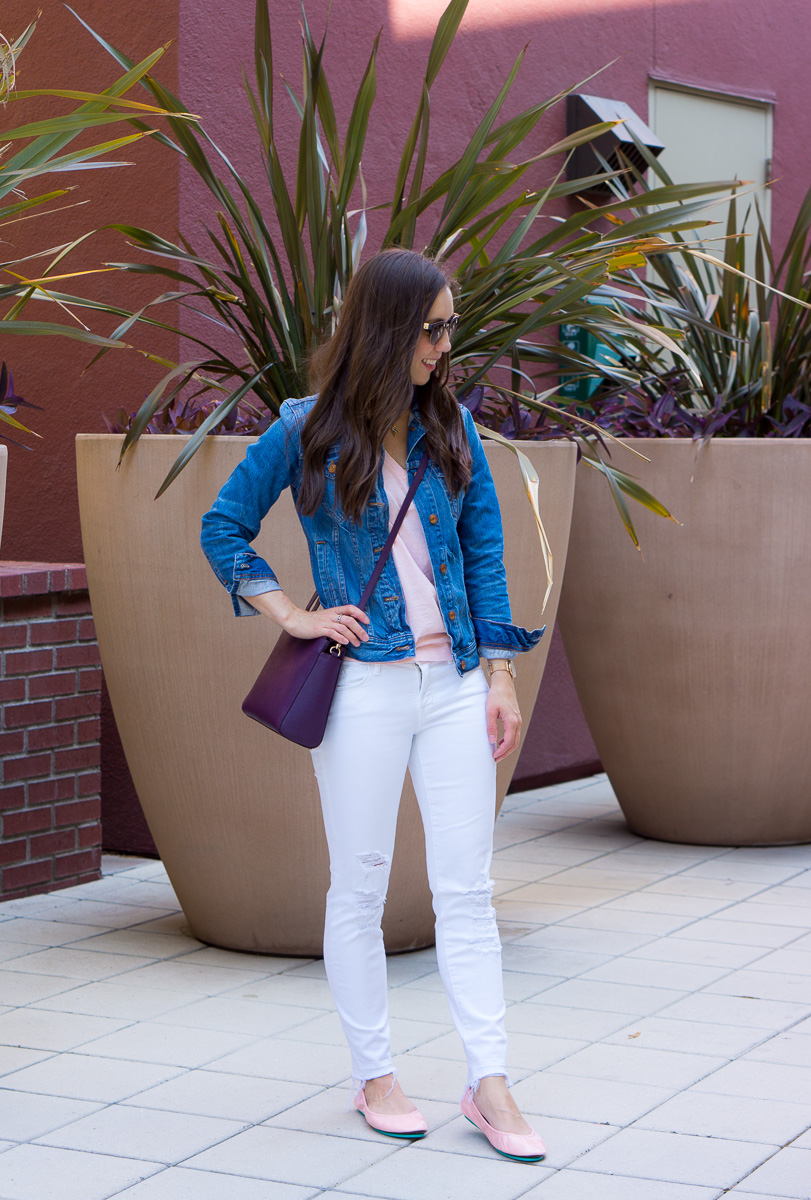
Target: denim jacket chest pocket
{"points": [[329, 502]]}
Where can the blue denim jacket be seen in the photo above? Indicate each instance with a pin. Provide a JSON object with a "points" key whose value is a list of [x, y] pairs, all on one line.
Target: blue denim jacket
{"points": [[463, 533]]}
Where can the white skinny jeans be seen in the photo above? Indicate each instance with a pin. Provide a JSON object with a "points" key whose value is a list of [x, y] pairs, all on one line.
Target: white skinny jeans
{"points": [[387, 717]]}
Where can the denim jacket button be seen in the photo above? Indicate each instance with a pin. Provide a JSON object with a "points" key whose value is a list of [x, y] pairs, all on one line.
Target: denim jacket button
{"points": [[443, 568], [331, 468], [433, 518], [451, 615], [462, 663]]}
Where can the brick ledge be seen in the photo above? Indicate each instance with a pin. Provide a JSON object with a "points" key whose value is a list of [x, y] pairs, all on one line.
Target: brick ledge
{"points": [[38, 578]]}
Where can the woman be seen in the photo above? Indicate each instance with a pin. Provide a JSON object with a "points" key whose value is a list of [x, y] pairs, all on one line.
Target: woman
{"points": [[411, 693]]}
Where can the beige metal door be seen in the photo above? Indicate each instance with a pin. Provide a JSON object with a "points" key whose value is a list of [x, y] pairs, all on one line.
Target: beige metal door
{"points": [[712, 136]]}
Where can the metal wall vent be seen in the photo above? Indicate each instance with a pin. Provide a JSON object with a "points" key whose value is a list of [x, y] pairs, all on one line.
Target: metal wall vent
{"points": [[583, 111]]}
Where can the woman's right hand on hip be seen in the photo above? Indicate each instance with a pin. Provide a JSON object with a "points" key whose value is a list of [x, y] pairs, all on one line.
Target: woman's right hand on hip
{"points": [[344, 622]]}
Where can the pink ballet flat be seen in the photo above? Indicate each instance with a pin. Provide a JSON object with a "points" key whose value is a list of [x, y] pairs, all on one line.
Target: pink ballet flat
{"points": [[523, 1147], [402, 1125]]}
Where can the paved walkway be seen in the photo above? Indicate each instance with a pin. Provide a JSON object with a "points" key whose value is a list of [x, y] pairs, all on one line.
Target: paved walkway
{"points": [[659, 1015]]}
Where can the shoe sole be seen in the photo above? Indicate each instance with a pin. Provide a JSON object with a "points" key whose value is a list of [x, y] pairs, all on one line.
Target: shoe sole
{"points": [[514, 1157], [419, 1133]]}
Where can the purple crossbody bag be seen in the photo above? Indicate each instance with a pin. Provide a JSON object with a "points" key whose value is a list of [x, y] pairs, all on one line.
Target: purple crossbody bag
{"points": [[293, 691]]}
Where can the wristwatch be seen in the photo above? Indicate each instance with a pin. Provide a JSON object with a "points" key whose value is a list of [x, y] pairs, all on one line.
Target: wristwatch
{"points": [[506, 665]]}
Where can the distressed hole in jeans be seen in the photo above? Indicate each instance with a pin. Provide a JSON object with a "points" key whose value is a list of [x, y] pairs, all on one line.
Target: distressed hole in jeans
{"points": [[369, 907], [373, 861], [485, 938]]}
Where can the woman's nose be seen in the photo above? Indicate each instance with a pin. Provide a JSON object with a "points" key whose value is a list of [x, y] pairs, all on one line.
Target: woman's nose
{"points": [[444, 343]]}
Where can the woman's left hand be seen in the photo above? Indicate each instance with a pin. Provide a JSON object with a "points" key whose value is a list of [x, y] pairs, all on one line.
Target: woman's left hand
{"points": [[502, 706]]}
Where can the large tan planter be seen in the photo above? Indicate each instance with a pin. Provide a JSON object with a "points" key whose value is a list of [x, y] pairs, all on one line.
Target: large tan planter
{"points": [[3, 463], [693, 664], [233, 808]]}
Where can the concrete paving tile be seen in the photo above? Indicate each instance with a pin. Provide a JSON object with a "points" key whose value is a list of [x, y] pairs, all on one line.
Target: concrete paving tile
{"points": [[14, 1058], [759, 912], [114, 999], [646, 900], [611, 997], [736, 1010], [804, 1142], [522, 911], [603, 942], [170, 1044], [412, 1005], [566, 964], [108, 915], [521, 986], [179, 976], [10, 950], [126, 1132], [691, 1037], [549, 891], [553, 1020], [684, 977], [443, 1080], [623, 921], [179, 1183], [42, 1030], [505, 870], [418, 1172], [44, 933], [799, 856], [787, 1174], [801, 943], [285, 989], [648, 848], [793, 1049], [786, 895], [45, 1173], [635, 861], [574, 1097], [289, 1156], [761, 1080], [233, 1097], [600, 875], [790, 961], [727, 867], [738, 1194], [278, 1058], [711, 888], [527, 1051], [329, 1113], [676, 1157], [150, 894], [405, 1035], [234, 1015], [260, 964], [681, 948], [139, 942], [78, 964], [765, 985], [632, 1064], [582, 1185], [565, 1140], [85, 1078], [24, 1115], [542, 852], [23, 987], [738, 1118], [742, 932]]}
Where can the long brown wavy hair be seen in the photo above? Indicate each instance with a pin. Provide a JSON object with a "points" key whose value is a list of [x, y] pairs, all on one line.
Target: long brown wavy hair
{"points": [[363, 379]]}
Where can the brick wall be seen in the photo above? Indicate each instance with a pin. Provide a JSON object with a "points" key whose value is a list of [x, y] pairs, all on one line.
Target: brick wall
{"points": [[50, 685]]}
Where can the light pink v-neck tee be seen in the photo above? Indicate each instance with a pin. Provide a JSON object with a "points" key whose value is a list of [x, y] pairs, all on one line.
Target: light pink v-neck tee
{"points": [[413, 563]]}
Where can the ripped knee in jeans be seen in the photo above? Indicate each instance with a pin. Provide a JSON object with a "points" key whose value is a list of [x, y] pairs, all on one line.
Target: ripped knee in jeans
{"points": [[370, 899]]}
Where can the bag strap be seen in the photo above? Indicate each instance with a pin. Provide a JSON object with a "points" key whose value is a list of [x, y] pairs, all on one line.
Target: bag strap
{"points": [[386, 551]]}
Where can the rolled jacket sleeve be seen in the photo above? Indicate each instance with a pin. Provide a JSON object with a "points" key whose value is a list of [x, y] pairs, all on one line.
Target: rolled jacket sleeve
{"points": [[482, 542], [234, 519]]}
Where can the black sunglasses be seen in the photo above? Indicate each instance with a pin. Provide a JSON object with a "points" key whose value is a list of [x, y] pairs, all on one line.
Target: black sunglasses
{"points": [[435, 329]]}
